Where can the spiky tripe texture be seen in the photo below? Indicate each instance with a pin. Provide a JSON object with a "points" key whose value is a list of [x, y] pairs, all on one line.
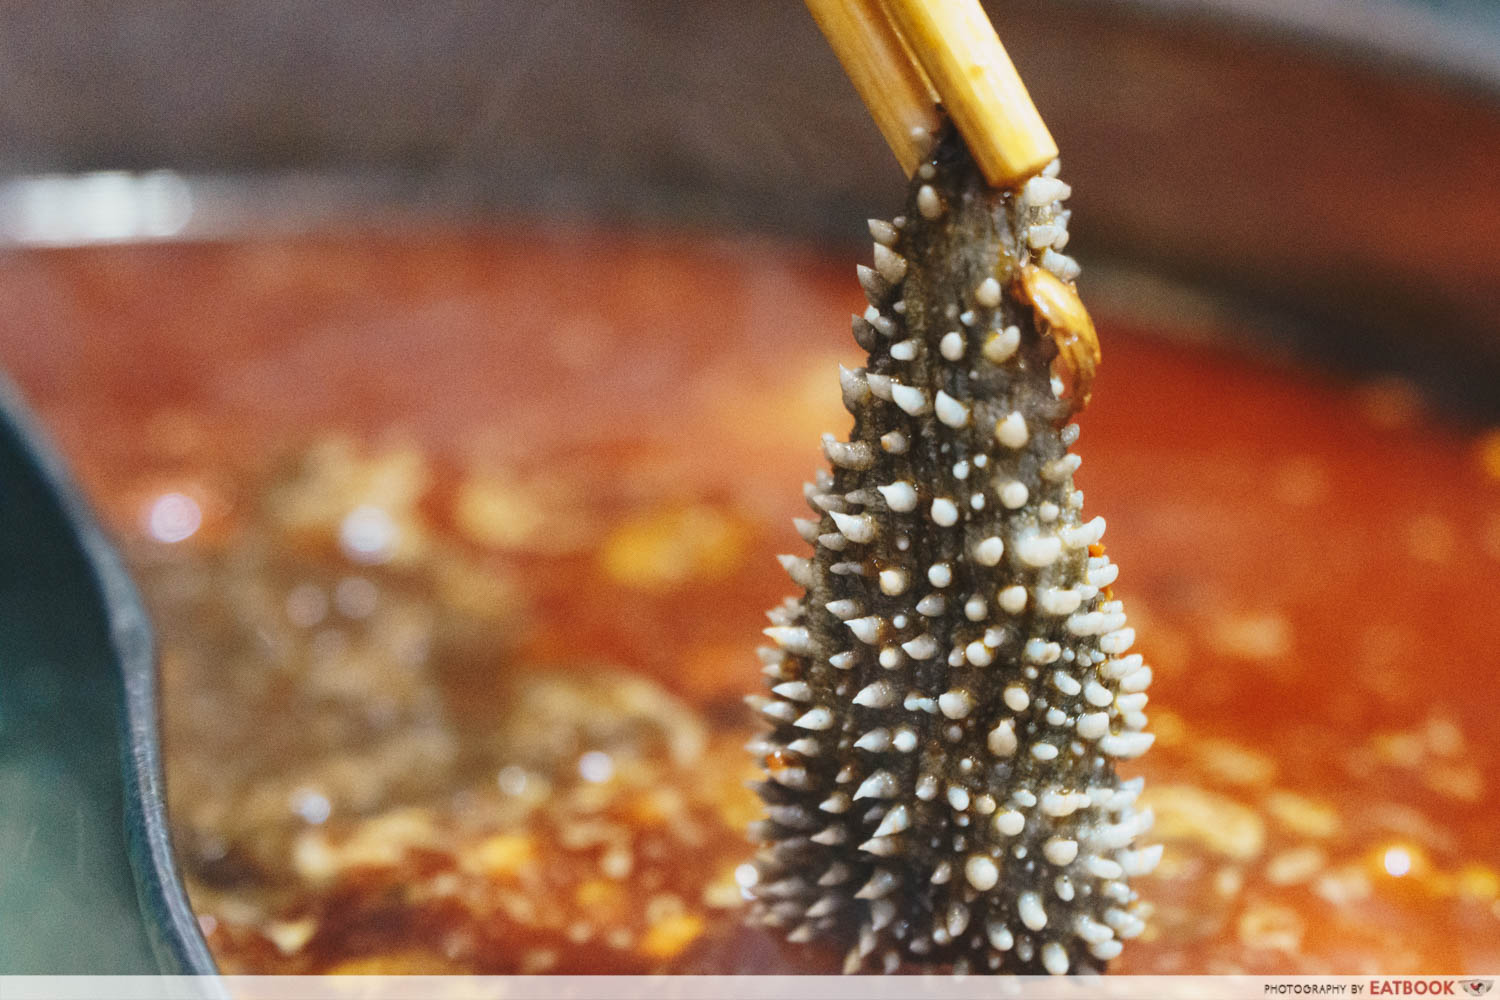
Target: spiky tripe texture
{"points": [[950, 696]]}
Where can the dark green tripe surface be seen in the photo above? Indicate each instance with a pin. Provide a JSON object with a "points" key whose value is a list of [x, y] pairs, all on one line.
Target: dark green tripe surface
{"points": [[950, 695]]}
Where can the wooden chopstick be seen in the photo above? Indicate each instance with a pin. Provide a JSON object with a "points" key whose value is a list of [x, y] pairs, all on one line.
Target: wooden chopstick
{"points": [[903, 56], [888, 79]]}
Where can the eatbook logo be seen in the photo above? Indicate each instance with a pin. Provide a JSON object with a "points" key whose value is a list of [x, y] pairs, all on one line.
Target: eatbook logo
{"points": [[1477, 987]]}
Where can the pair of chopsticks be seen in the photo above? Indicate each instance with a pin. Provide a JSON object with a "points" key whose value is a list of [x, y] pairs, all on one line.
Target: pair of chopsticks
{"points": [[907, 56]]}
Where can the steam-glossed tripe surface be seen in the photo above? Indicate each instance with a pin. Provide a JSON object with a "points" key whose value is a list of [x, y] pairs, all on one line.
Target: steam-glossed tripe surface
{"points": [[950, 694]]}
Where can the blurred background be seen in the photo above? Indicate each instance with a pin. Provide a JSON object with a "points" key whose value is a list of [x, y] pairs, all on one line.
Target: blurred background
{"points": [[1335, 155], [444, 368]]}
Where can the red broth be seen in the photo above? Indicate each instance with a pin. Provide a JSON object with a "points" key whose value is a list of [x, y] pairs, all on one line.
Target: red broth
{"points": [[458, 544]]}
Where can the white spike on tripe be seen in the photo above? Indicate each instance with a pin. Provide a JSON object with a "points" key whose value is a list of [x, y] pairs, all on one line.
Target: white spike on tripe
{"points": [[877, 695], [876, 288], [1120, 666], [817, 719], [836, 804], [1093, 725], [1012, 599], [880, 785], [1090, 930], [1001, 345], [843, 609], [1016, 698], [879, 885], [956, 704], [957, 920], [911, 399], [928, 204], [799, 569], [1042, 190], [923, 647], [826, 906], [1060, 851], [1041, 651], [793, 691], [900, 496], [895, 821], [1097, 694], [987, 293], [999, 935], [1043, 235], [932, 605], [882, 912], [1116, 642], [1011, 430], [1066, 683], [944, 512], [866, 629], [1029, 909], [793, 639], [882, 323], [981, 872], [833, 541], [1009, 823], [831, 836], [989, 551], [1084, 535], [1002, 739], [853, 386], [1125, 746], [950, 411], [792, 777], [1060, 264], [890, 264], [858, 528], [1039, 550], [1062, 468], [855, 455], [1102, 868], [1141, 862]]}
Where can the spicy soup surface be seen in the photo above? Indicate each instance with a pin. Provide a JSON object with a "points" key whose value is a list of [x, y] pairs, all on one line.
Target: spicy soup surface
{"points": [[458, 544]]}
